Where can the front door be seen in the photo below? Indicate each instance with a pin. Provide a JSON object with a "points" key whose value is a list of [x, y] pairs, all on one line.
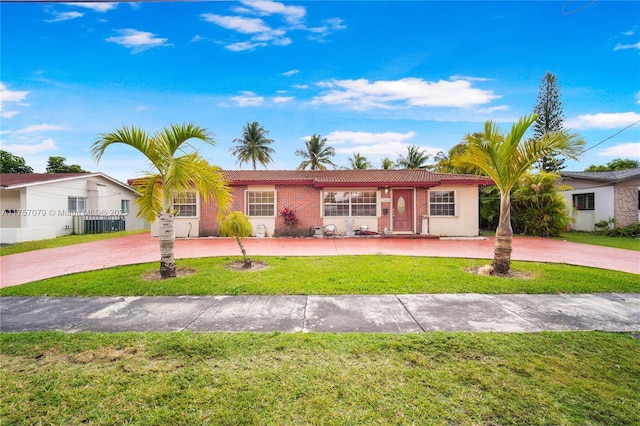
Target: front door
{"points": [[402, 210]]}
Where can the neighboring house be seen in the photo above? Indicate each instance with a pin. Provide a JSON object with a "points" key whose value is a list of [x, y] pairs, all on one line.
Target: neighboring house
{"points": [[601, 196], [40, 206], [398, 201]]}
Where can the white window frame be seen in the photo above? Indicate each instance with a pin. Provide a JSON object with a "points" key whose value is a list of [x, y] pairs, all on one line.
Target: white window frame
{"points": [[125, 205], [195, 203], [588, 196], [350, 205], [77, 201], [248, 204], [444, 204]]}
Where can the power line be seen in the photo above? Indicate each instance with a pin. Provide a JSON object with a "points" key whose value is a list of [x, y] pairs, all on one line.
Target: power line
{"points": [[612, 136]]}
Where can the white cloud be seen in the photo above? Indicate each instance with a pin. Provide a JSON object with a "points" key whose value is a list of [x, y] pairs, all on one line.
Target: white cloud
{"points": [[237, 23], [363, 94], [38, 128], [290, 73], [65, 16], [291, 14], [328, 26], [243, 45], [96, 6], [627, 46], [625, 150], [7, 95], [638, 97], [138, 41], [282, 99], [24, 149], [603, 120], [248, 99], [300, 86], [364, 138]]}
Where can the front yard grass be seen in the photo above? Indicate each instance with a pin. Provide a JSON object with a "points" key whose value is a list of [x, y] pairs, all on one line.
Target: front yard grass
{"points": [[268, 379], [332, 275], [627, 243]]}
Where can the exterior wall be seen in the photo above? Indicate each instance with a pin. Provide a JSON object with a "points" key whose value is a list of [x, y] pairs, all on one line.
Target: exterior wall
{"points": [[603, 199], [44, 207], [626, 210], [465, 223]]}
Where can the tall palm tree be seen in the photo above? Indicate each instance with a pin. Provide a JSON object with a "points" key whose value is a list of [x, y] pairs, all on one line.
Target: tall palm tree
{"points": [[506, 158], [415, 159], [253, 146], [317, 156], [174, 172], [358, 162], [387, 163]]}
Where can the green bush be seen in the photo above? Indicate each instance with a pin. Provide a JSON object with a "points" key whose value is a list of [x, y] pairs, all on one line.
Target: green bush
{"points": [[632, 230]]}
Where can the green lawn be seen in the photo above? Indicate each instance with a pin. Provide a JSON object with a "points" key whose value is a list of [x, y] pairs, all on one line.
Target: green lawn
{"points": [[372, 274], [284, 379], [62, 241], [627, 243]]}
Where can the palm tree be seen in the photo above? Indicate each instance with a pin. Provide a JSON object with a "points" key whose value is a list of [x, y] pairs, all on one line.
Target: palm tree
{"points": [[387, 163], [174, 172], [505, 159], [237, 224], [253, 146], [317, 155], [443, 161], [415, 159], [358, 162]]}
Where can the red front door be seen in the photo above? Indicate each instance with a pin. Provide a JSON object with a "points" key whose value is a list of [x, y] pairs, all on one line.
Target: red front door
{"points": [[402, 210]]}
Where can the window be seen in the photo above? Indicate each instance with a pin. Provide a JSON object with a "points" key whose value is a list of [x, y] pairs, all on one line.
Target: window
{"points": [[186, 204], [124, 206], [442, 203], [261, 203], [583, 201], [351, 203], [77, 204]]}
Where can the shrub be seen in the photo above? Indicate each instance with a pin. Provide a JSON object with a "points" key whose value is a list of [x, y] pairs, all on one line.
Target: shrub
{"points": [[632, 230]]}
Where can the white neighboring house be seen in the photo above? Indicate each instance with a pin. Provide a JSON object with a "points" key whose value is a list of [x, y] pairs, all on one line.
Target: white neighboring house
{"points": [[598, 196], [40, 206]]}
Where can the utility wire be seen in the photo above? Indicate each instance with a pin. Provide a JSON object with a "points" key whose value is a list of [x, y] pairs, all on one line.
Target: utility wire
{"points": [[612, 136]]}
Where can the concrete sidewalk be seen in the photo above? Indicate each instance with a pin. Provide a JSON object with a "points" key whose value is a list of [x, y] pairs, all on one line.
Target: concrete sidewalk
{"points": [[340, 314]]}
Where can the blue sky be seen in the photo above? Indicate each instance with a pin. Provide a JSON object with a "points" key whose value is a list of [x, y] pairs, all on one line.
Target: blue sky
{"points": [[371, 76]]}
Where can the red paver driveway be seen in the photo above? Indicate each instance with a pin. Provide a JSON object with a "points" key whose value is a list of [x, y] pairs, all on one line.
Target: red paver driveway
{"points": [[37, 265]]}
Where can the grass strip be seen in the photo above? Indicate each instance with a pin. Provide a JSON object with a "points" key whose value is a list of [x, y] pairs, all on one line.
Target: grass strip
{"points": [[332, 275], [626, 243], [264, 379]]}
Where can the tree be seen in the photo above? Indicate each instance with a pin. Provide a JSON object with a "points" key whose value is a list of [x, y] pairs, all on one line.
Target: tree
{"points": [[358, 162], [253, 146], [415, 159], [387, 163], [317, 155], [444, 164], [10, 163], [550, 119], [176, 169], [56, 165], [614, 165], [237, 225], [505, 159]]}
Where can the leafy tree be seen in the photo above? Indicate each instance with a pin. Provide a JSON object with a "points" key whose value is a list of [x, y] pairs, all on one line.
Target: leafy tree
{"points": [[10, 163], [176, 169], [57, 165], [505, 159], [254, 146], [415, 159], [317, 155], [550, 119], [358, 162], [444, 164], [614, 165], [237, 225], [387, 163]]}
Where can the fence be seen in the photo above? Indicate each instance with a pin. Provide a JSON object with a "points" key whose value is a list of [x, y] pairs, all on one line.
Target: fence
{"points": [[89, 224]]}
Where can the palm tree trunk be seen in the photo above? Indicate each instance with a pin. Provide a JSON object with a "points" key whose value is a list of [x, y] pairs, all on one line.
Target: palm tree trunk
{"points": [[167, 237], [504, 236], [247, 262]]}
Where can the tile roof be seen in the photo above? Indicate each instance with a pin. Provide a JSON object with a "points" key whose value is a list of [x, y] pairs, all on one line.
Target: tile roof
{"points": [[611, 177], [322, 178]]}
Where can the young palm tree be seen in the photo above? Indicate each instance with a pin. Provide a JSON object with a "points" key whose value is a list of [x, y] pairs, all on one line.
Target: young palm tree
{"points": [[506, 158], [415, 159], [358, 162], [253, 146], [317, 155], [387, 163], [237, 224], [174, 172]]}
